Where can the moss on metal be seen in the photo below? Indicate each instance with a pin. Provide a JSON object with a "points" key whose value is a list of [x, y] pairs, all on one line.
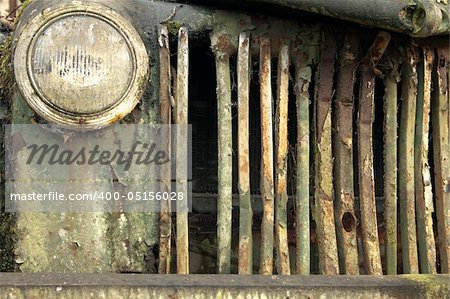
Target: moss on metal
{"points": [[431, 286], [7, 237], [7, 86], [174, 26], [6, 220], [7, 82]]}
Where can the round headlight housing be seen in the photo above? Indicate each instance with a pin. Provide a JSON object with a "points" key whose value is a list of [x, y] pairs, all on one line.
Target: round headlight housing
{"points": [[80, 65]]}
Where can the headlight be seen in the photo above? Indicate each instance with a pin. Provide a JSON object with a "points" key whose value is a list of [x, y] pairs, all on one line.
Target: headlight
{"points": [[80, 64]]}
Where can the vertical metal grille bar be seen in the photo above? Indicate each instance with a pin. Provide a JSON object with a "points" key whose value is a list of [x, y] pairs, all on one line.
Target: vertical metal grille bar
{"points": [[303, 74], [12, 8], [441, 147], [343, 152], [406, 162], [281, 147], [326, 233], [166, 176], [267, 180], [225, 151], [422, 176], [372, 257], [182, 119], [245, 259], [390, 164]]}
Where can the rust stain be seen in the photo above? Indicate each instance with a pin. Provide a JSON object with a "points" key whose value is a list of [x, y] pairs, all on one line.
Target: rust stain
{"points": [[281, 146], [372, 256], [343, 153], [244, 256], [406, 162], [328, 256], [118, 117], [377, 49], [245, 261], [267, 179], [181, 117]]}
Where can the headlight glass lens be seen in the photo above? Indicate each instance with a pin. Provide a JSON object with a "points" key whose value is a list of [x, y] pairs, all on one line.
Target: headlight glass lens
{"points": [[81, 64]]}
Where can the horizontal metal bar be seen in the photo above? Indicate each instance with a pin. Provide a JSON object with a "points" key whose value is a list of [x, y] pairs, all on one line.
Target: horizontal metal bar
{"points": [[419, 18], [207, 202], [129, 285]]}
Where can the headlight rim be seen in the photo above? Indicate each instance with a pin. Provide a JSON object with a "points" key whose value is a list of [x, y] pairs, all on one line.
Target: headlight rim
{"points": [[43, 106]]}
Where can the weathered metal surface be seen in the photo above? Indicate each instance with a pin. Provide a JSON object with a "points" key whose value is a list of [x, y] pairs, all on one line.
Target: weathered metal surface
{"points": [[225, 151], [220, 286], [84, 242], [267, 179], [122, 228], [182, 92], [245, 207], [419, 18], [141, 230], [345, 217], [165, 95], [441, 151], [324, 197], [406, 162], [303, 77], [390, 164], [281, 148], [37, 249], [422, 175], [371, 249]]}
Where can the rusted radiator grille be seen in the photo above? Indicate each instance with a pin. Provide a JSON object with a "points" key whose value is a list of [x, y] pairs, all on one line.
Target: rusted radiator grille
{"points": [[350, 152]]}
